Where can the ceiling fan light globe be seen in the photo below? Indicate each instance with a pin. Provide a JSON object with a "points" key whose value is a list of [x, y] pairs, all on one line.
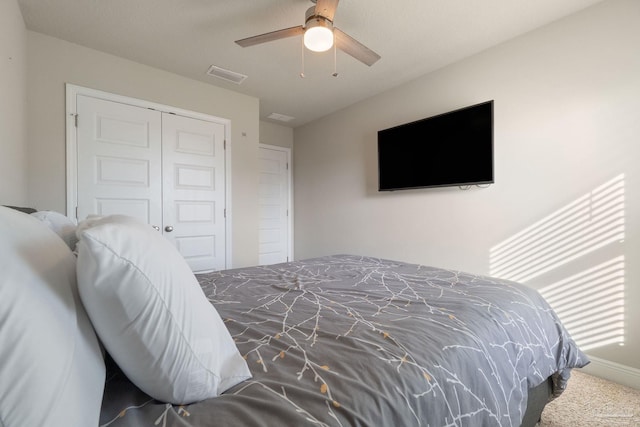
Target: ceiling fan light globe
{"points": [[318, 38]]}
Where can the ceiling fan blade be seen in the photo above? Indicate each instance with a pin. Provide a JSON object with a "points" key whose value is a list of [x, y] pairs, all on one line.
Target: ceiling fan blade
{"points": [[273, 35], [353, 47], [326, 8]]}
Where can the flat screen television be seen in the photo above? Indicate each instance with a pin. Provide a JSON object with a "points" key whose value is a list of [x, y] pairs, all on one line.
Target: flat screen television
{"points": [[450, 149]]}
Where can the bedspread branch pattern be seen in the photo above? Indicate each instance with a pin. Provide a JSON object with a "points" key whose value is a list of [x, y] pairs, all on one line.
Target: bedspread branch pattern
{"points": [[359, 341]]}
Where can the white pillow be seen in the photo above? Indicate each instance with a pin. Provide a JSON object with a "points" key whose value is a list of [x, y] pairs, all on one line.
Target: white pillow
{"points": [[61, 225], [151, 313], [52, 371]]}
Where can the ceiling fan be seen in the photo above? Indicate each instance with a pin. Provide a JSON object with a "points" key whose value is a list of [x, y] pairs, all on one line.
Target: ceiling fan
{"points": [[319, 34]]}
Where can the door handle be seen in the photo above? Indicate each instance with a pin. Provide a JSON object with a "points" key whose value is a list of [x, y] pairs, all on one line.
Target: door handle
{"points": [[156, 227], [168, 229]]}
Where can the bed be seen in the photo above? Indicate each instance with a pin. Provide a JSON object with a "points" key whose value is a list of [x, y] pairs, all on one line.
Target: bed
{"points": [[346, 340], [358, 341]]}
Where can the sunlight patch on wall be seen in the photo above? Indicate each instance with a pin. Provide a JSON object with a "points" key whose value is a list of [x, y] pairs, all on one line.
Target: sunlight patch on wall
{"points": [[590, 302], [583, 226], [596, 318]]}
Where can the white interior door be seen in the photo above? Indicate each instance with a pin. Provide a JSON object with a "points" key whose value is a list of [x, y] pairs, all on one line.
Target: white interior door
{"points": [[165, 169], [194, 189], [119, 165], [274, 203]]}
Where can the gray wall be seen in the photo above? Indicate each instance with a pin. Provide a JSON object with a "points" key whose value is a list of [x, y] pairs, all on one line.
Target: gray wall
{"points": [[13, 105], [567, 98], [275, 134], [53, 62]]}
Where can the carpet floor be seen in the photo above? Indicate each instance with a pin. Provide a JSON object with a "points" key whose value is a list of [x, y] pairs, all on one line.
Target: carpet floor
{"points": [[590, 401]]}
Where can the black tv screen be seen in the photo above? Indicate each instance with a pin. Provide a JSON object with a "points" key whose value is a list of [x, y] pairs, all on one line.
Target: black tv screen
{"points": [[450, 149]]}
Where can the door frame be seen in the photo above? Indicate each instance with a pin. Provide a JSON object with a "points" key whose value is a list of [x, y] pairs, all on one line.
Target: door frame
{"points": [[71, 113], [289, 196]]}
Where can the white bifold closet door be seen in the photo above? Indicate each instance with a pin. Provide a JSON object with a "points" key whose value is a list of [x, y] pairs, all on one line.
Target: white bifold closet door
{"points": [[164, 169]]}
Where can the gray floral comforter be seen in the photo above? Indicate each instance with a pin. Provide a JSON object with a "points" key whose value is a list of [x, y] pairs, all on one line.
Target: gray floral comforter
{"points": [[357, 341]]}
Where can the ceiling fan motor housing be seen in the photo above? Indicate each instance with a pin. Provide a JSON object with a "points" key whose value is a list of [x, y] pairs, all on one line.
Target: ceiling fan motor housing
{"points": [[316, 20]]}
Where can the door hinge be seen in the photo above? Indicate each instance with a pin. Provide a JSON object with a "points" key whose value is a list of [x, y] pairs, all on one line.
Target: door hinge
{"points": [[75, 120], [287, 165], [224, 145], [76, 213], [224, 212]]}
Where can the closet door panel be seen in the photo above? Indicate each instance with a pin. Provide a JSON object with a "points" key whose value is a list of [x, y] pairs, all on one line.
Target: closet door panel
{"points": [[119, 164], [194, 189]]}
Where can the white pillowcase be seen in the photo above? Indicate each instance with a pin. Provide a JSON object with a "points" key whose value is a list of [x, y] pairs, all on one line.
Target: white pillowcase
{"points": [[61, 225], [52, 371], [151, 313]]}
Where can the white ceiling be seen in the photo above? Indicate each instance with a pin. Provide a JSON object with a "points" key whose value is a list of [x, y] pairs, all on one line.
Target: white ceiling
{"points": [[186, 37]]}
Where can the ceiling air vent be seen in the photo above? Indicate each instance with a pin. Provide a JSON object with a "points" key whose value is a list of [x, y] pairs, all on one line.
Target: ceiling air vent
{"points": [[230, 76], [280, 117]]}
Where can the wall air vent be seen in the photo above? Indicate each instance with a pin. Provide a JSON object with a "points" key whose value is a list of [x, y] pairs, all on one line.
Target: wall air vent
{"points": [[230, 76]]}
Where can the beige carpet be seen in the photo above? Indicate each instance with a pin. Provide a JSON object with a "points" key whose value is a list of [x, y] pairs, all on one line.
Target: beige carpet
{"points": [[589, 401]]}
